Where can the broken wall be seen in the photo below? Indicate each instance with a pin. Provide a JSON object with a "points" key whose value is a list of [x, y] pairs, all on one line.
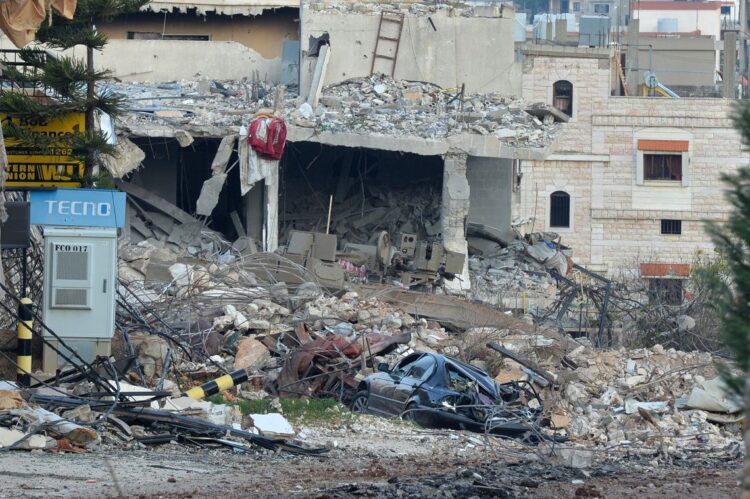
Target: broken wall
{"points": [[265, 33], [170, 60], [475, 51]]}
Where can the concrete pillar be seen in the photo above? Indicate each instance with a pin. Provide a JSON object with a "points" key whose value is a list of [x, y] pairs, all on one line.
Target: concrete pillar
{"points": [[730, 61], [549, 27], [632, 75], [272, 209], [261, 206], [254, 211], [454, 211], [743, 39], [561, 30]]}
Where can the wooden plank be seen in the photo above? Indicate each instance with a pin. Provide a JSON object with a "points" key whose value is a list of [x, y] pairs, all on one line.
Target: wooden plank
{"points": [[156, 201]]}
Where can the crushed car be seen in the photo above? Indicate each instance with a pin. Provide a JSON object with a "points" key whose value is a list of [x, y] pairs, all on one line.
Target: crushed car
{"points": [[438, 391]]}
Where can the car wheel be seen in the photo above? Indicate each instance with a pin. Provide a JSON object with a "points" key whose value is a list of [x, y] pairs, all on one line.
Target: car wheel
{"points": [[410, 414], [359, 404]]}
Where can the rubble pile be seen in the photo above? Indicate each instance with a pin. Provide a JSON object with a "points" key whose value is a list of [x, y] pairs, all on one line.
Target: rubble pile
{"points": [[374, 104], [380, 104], [76, 417], [657, 403], [410, 209], [509, 279], [363, 7]]}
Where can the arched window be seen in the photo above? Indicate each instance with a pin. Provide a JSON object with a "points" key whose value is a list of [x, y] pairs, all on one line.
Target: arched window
{"points": [[559, 209], [562, 96]]}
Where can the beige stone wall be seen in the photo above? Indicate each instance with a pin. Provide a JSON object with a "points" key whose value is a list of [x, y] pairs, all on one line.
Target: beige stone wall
{"points": [[617, 219], [265, 33]]}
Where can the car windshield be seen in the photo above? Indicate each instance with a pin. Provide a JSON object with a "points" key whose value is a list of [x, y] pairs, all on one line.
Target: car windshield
{"points": [[423, 368], [403, 367]]}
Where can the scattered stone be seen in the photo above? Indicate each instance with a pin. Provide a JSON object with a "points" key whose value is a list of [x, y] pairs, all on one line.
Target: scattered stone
{"points": [[251, 355]]}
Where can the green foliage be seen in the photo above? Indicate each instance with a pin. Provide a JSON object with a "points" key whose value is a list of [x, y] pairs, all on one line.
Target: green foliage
{"points": [[296, 410], [64, 33], [732, 240]]}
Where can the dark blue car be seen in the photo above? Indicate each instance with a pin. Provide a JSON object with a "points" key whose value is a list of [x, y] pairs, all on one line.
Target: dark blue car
{"points": [[438, 391]]}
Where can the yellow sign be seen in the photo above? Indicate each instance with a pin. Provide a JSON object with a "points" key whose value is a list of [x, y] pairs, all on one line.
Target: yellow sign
{"points": [[29, 167]]}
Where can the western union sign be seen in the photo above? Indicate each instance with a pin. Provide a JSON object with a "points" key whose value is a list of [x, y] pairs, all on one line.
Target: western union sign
{"points": [[55, 167]]}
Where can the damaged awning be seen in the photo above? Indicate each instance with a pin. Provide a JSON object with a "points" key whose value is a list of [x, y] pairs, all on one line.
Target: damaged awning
{"points": [[19, 19], [225, 8]]}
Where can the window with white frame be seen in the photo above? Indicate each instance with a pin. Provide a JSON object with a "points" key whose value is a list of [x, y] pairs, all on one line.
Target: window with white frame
{"points": [[662, 161]]}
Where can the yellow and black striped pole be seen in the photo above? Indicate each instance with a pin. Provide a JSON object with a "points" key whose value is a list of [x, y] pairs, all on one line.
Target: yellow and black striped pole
{"points": [[218, 385], [23, 348]]}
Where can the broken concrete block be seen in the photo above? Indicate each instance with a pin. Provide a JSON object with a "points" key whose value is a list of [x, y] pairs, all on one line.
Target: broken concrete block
{"points": [[559, 421], [511, 371], [713, 396], [128, 157], [573, 458], [183, 137], [632, 406], [128, 274], [9, 437], [77, 434], [272, 425], [221, 160], [308, 291], [11, 399], [251, 355], [151, 351], [209, 196], [632, 381]]}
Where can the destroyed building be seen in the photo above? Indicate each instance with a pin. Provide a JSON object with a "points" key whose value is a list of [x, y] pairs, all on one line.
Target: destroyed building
{"points": [[517, 173]]}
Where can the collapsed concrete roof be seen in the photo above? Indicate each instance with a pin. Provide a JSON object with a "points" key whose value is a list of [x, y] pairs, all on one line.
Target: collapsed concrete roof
{"points": [[414, 7], [222, 7], [374, 112]]}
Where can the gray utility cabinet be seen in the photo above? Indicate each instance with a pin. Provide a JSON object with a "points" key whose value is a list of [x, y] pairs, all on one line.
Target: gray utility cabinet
{"points": [[80, 270]]}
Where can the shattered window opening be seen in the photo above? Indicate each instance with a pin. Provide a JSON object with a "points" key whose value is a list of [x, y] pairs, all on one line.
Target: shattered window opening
{"points": [[665, 291], [152, 35], [422, 368], [562, 96], [662, 166], [559, 209], [402, 368]]}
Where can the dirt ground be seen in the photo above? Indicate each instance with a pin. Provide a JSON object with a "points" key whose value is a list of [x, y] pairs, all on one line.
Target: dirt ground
{"points": [[369, 458]]}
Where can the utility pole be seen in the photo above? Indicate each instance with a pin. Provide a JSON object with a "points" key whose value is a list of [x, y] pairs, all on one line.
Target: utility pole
{"points": [[743, 43]]}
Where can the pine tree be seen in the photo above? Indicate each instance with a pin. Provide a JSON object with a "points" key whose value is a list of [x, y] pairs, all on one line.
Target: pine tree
{"points": [[732, 292], [70, 83]]}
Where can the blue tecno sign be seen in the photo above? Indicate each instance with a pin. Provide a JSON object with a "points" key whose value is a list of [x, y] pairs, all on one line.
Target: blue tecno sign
{"points": [[78, 208]]}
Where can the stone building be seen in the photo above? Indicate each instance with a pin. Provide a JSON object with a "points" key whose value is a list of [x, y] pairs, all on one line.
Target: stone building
{"points": [[630, 181]]}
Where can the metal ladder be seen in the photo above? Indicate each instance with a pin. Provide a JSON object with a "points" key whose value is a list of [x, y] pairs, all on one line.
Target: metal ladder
{"points": [[621, 74], [396, 18]]}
